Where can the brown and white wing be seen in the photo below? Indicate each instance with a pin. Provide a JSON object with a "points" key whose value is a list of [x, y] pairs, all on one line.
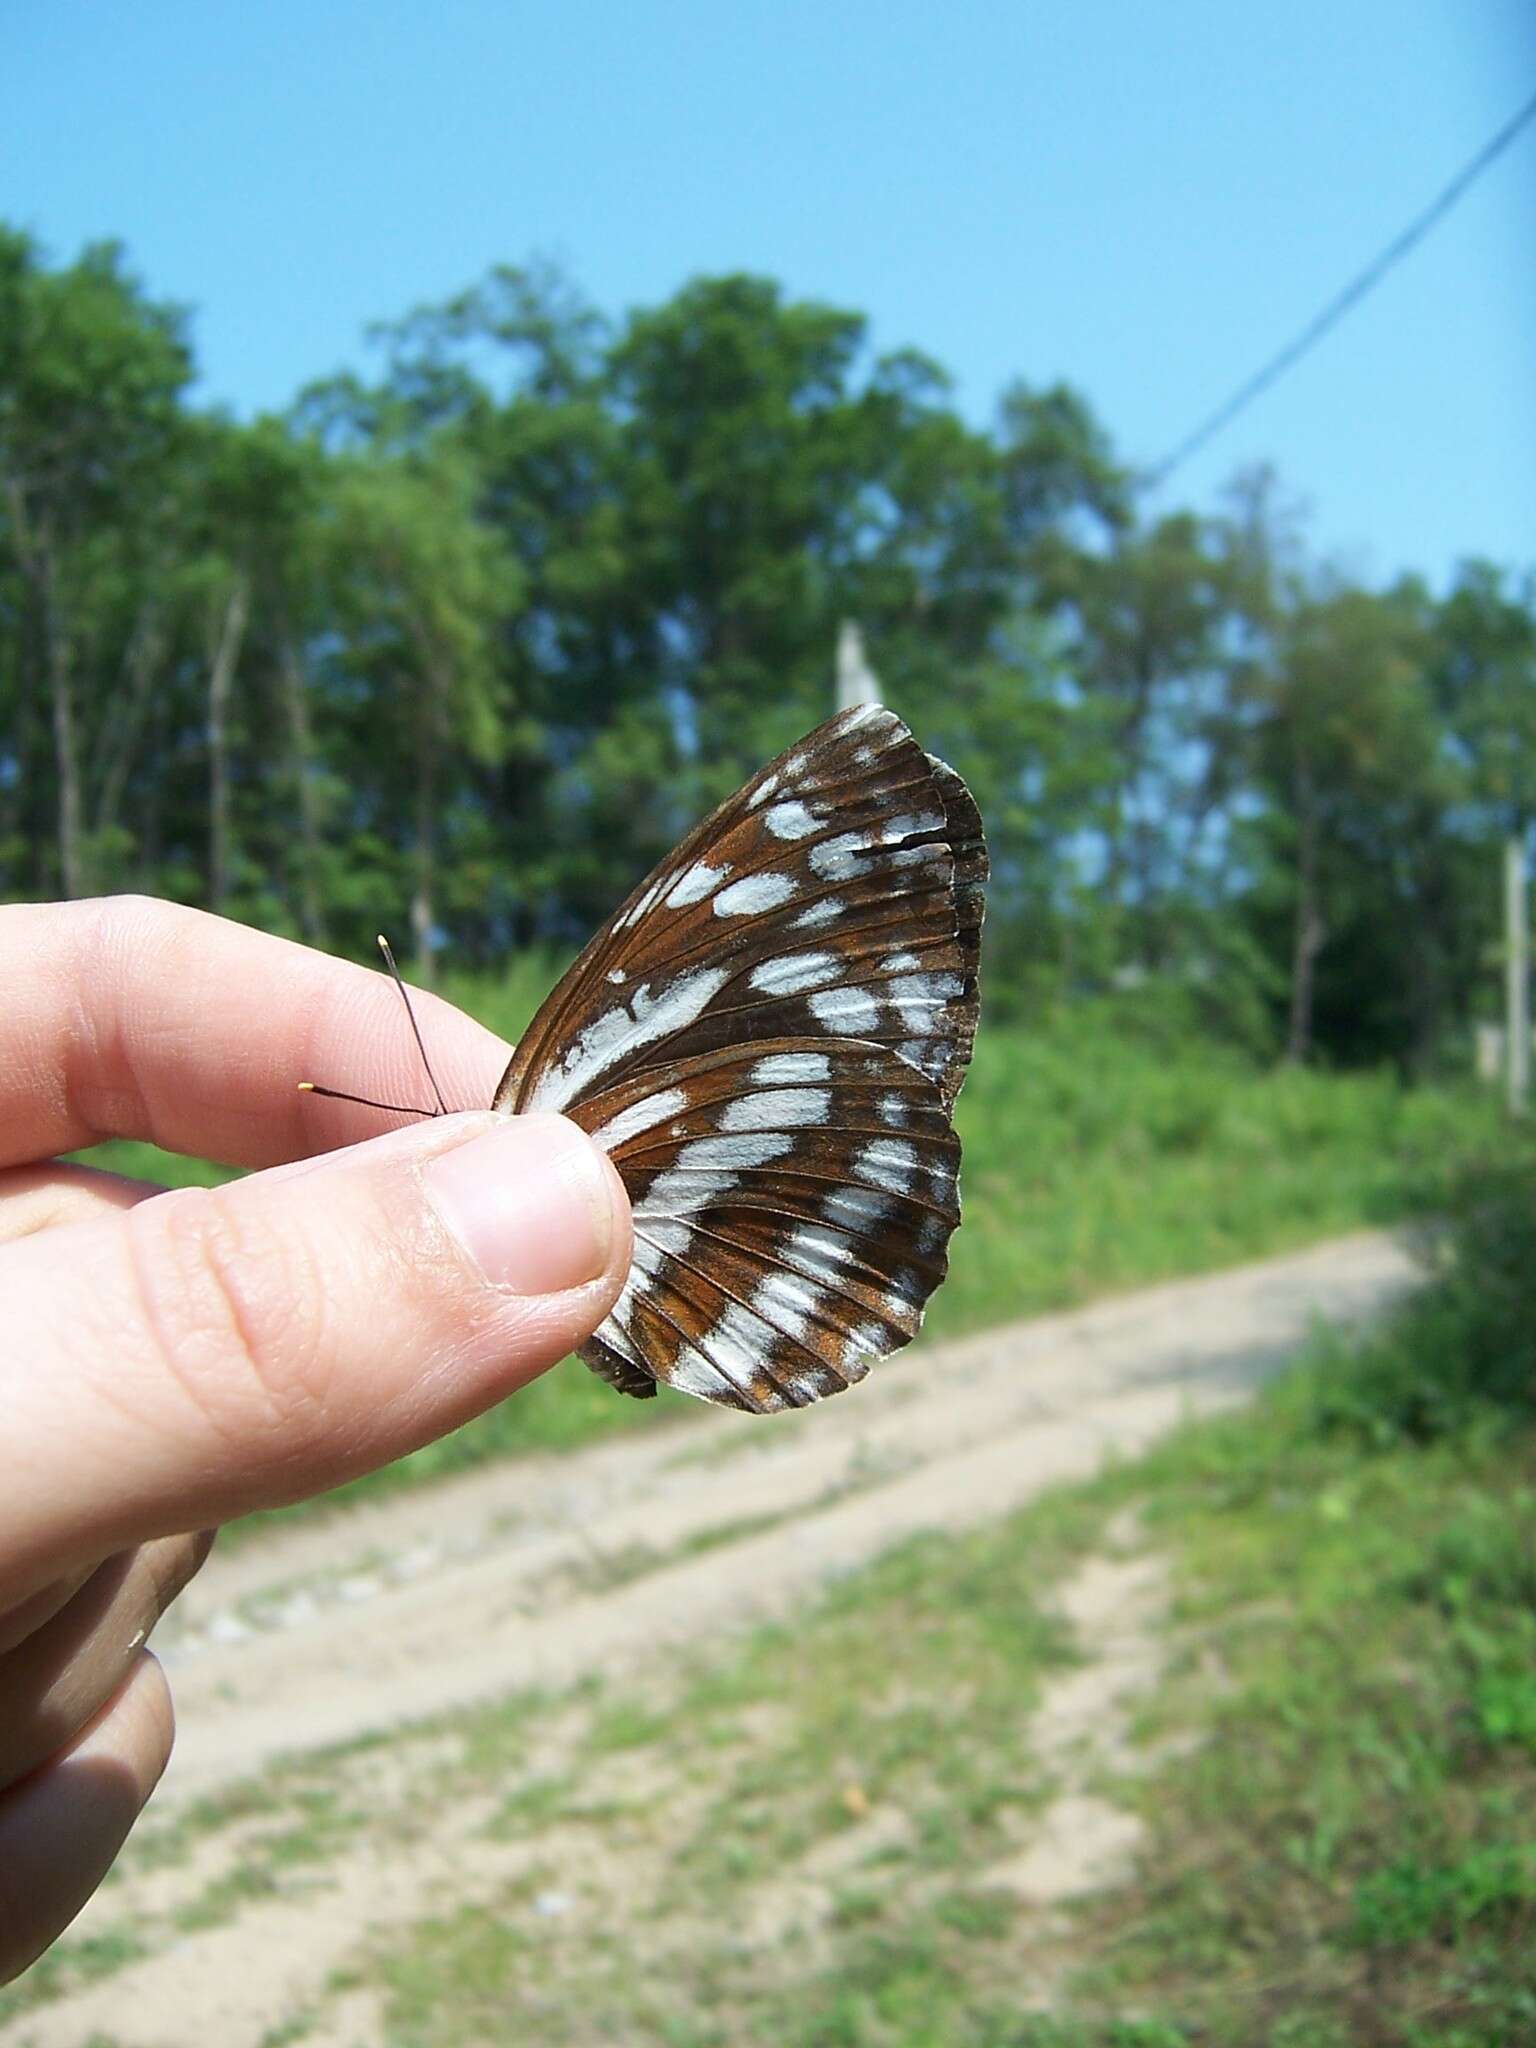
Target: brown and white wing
{"points": [[823, 923]]}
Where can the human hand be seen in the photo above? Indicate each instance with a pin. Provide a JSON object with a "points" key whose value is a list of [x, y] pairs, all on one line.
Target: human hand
{"points": [[169, 1363]]}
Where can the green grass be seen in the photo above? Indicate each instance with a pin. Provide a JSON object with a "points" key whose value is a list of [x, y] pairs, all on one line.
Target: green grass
{"points": [[1341, 1847], [1095, 1159], [1350, 1856], [1341, 1813], [772, 1747]]}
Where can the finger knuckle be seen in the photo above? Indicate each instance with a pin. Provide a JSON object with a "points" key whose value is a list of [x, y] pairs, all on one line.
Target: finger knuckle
{"points": [[172, 1563], [233, 1311]]}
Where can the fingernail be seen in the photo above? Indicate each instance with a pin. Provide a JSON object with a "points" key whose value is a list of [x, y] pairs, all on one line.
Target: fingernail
{"points": [[531, 1202]]}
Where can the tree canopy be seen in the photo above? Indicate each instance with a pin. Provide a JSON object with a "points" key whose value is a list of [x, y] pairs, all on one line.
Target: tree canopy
{"points": [[482, 634]]}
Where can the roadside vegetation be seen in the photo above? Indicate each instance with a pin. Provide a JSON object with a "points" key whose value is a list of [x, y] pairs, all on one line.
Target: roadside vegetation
{"points": [[485, 626], [809, 1833], [1102, 1151], [1336, 1770]]}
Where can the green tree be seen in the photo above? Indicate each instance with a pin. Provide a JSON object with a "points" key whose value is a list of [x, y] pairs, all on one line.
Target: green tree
{"points": [[423, 589], [91, 378], [1484, 677], [1145, 622], [1350, 757]]}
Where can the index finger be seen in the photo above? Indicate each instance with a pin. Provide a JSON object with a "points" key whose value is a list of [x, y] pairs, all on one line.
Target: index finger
{"points": [[130, 1018]]}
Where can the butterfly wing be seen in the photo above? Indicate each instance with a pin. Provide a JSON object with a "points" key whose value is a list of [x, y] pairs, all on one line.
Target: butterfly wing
{"points": [[768, 1036]]}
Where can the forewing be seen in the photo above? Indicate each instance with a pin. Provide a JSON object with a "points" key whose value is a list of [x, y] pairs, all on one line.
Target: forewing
{"points": [[838, 893]]}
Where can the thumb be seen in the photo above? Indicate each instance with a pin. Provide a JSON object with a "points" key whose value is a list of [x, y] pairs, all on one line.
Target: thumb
{"points": [[212, 1351]]}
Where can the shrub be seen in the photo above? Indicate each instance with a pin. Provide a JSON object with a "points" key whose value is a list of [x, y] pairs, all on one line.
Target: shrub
{"points": [[1464, 1348]]}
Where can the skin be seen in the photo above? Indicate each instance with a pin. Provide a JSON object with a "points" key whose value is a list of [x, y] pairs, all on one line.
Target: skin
{"points": [[173, 1360]]}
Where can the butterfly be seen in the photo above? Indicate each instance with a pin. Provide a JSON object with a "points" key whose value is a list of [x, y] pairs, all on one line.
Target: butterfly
{"points": [[767, 1037]]}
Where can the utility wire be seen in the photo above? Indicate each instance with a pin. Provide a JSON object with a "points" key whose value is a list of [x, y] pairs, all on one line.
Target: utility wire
{"points": [[1351, 295]]}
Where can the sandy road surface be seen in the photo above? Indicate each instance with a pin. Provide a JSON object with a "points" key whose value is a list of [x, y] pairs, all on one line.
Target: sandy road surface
{"points": [[535, 1574], [541, 1573]]}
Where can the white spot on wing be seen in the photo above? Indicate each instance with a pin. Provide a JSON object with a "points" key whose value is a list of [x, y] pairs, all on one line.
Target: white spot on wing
{"points": [[855, 1209], [850, 1012], [787, 974], [640, 1116], [739, 1343], [637, 910], [928, 1059], [663, 1237], [789, 820], [834, 859], [615, 1034], [918, 999], [695, 883], [907, 824], [826, 1252], [672, 1193], [781, 1067], [889, 1162], [823, 912], [786, 1301], [735, 1154], [692, 1373], [777, 1109], [754, 894], [893, 1109]]}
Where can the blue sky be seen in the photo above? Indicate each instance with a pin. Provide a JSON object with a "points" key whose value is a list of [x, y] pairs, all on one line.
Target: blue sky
{"points": [[1145, 200]]}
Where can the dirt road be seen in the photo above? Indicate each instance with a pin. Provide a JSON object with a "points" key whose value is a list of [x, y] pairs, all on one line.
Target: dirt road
{"points": [[535, 1575]]}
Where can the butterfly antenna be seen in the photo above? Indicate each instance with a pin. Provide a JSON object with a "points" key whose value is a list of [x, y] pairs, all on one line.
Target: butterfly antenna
{"points": [[368, 1101], [405, 996]]}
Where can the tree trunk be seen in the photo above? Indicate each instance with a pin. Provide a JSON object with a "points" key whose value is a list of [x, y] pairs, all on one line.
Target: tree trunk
{"points": [[296, 704], [423, 921], [1310, 931], [66, 753], [1517, 970], [1429, 948], [27, 776], [224, 654], [112, 758]]}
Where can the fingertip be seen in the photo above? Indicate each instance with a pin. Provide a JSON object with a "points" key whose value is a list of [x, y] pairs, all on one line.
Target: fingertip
{"points": [[150, 1721], [62, 1827], [535, 1205]]}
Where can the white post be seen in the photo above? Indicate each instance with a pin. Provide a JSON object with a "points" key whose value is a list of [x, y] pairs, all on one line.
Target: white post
{"points": [[857, 682], [1517, 975]]}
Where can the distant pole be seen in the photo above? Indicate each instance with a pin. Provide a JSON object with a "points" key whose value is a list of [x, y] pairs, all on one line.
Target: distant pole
{"points": [[1517, 975], [857, 682]]}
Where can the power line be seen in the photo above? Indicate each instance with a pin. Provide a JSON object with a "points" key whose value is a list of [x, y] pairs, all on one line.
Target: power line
{"points": [[1351, 295]]}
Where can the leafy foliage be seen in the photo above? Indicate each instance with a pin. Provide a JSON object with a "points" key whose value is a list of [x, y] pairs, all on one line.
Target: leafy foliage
{"points": [[486, 630], [1101, 1152], [1468, 1350]]}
